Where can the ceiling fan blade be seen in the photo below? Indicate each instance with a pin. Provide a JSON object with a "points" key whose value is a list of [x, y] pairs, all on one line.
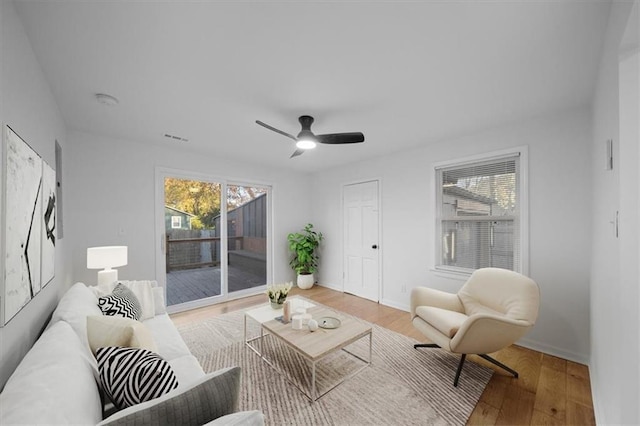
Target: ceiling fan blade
{"points": [[297, 152], [340, 138], [276, 130]]}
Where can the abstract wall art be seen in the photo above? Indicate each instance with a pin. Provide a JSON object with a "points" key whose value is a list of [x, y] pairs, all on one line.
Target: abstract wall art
{"points": [[48, 219], [29, 224]]}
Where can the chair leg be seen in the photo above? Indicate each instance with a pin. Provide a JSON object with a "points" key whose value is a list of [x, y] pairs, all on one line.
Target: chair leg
{"points": [[455, 381], [499, 364], [433, 345], [425, 345], [462, 359]]}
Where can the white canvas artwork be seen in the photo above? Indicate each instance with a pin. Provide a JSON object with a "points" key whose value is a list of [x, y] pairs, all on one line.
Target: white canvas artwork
{"points": [[48, 219], [23, 225]]}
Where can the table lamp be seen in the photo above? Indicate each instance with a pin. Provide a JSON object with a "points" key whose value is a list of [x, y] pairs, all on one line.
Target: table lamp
{"points": [[106, 257]]}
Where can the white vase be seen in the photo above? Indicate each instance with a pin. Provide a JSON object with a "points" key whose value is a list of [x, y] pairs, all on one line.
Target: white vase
{"points": [[305, 281]]}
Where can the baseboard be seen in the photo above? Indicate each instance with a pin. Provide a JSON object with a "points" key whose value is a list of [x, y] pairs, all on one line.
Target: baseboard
{"points": [[598, 412], [555, 351], [394, 304], [336, 287]]}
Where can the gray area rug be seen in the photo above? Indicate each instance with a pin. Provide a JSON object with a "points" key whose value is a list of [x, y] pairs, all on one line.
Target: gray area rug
{"points": [[403, 386]]}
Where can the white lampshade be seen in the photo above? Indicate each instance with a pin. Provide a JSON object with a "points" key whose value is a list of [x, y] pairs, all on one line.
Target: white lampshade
{"points": [[106, 257]]}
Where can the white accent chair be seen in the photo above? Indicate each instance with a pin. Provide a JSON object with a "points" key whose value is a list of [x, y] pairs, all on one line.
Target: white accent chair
{"points": [[492, 310]]}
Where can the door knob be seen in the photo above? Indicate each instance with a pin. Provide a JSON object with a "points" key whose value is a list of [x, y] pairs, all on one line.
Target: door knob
{"points": [[375, 246]]}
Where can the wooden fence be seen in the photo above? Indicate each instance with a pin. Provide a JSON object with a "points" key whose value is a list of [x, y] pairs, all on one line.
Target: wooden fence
{"points": [[172, 263]]}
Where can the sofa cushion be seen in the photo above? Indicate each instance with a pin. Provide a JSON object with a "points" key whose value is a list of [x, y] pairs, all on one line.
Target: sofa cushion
{"points": [[130, 376], [54, 383], [187, 369], [169, 341], [103, 330], [213, 396], [74, 307], [121, 302], [445, 321]]}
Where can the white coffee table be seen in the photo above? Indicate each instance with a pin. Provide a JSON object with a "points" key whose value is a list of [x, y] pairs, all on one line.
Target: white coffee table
{"points": [[312, 346]]}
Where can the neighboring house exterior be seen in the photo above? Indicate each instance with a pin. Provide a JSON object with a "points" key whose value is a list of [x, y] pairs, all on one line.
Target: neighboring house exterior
{"points": [[176, 219]]}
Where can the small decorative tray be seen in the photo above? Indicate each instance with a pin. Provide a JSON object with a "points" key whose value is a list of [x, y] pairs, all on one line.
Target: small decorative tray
{"points": [[328, 322]]}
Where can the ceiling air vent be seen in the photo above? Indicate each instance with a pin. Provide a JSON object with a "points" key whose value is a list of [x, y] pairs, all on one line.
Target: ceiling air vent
{"points": [[176, 138]]}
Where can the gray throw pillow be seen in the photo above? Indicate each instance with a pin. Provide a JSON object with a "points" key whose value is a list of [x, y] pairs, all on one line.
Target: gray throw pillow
{"points": [[121, 302], [215, 395]]}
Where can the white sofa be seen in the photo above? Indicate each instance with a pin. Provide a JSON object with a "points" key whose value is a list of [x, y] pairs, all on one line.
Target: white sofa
{"points": [[57, 382]]}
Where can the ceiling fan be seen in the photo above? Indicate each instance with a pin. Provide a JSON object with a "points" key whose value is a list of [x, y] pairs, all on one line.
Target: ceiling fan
{"points": [[307, 140]]}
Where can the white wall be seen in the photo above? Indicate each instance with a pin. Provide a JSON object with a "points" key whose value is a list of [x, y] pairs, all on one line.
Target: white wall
{"points": [[111, 200], [559, 166], [629, 74], [29, 108], [615, 353]]}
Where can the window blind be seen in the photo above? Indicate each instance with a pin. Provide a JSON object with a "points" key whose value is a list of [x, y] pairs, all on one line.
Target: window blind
{"points": [[479, 215]]}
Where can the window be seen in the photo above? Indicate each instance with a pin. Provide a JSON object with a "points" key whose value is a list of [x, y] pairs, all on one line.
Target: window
{"points": [[176, 222], [479, 213]]}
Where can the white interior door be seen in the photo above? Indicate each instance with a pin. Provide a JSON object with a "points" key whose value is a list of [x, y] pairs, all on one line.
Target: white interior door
{"points": [[361, 245]]}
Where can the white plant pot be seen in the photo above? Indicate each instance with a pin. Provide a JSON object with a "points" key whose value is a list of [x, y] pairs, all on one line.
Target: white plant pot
{"points": [[305, 282]]}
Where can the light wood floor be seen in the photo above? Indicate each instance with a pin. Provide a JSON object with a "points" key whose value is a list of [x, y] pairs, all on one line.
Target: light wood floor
{"points": [[549, 391]]}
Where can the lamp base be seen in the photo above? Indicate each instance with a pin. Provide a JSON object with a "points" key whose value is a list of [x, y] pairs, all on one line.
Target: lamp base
{"points": [[107, 276]]}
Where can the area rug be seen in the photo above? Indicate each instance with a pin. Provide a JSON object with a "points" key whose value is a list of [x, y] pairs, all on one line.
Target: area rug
{"points": [[402, 386]]}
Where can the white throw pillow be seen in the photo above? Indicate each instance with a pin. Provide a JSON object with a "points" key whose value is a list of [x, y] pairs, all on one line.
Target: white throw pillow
{"points": [[158, 299], [102, 290], [104, 330], [54, 383]]}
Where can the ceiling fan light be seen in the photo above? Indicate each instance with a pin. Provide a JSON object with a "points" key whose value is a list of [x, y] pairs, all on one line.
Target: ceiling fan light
{"points": [[305, 144]]}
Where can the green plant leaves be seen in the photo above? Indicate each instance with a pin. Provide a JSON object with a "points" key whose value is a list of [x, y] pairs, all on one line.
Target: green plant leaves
{"points": [[303, 246]]}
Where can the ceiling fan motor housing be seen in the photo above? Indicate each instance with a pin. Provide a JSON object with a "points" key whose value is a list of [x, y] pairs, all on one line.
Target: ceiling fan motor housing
{"points": [[305, 122]]}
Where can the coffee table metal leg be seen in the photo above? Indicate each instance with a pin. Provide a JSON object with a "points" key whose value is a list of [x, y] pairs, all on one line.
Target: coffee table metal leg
{"points": [[261, 342], [248, 341], [313, 382]]}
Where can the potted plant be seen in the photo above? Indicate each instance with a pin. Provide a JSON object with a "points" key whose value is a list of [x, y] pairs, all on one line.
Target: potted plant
{"points": [[278, 294], [305, 260]]}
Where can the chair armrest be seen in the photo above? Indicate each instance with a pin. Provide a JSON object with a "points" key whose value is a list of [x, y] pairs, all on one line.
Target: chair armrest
{"points": [[425, 296], [485, 333]]}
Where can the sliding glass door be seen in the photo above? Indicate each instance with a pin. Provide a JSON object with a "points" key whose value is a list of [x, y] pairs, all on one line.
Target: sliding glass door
{"points": [[213, 239], [246, 237]]}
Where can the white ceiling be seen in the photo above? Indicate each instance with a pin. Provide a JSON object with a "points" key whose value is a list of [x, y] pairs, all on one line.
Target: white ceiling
{"points": [[403, 73]]}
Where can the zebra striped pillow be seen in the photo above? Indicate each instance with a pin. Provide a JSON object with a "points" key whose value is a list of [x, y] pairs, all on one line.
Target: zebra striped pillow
{"points": [[130, 376], [121, 302]]}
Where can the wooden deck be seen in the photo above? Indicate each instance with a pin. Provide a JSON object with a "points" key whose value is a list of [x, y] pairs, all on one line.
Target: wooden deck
{"points": [[193, 284]]}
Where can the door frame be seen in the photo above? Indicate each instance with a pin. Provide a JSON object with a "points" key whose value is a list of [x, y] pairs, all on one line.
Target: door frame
{"points": [[380, 236], [159, 247]]}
